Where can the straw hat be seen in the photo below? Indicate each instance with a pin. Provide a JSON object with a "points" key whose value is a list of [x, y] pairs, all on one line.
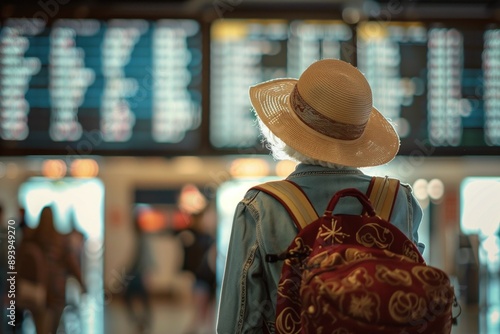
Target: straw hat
{"points": [[327, 114]]}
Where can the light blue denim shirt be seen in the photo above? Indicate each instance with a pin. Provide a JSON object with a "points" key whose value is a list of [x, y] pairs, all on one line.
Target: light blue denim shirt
{"points": [[262, 226]]}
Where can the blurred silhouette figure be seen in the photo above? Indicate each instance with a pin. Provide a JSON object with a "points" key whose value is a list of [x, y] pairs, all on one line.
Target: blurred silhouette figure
{"points": [[71, 314], [136, 294], [76, 239], [198, 245], [45, 261], [25, 231]]}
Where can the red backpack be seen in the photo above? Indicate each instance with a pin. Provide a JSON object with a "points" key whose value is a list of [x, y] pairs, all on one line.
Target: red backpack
{"points": [[356, 273]]}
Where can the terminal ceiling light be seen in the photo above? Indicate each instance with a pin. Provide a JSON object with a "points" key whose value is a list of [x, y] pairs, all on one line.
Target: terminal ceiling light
{"points": [[249, 167], [435, 189], [285, 167], [84, 168], [420, 189], [54, 168]]}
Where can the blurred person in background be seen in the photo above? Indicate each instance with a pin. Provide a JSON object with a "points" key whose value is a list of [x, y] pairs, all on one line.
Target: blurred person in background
{"points": [[23, 231], [199, 250], [71, 316], [136, 295], [45, 261], [76, 239]]}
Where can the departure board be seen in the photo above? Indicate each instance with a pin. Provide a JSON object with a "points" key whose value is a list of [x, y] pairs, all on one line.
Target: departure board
{"points": [[246, 52], [138, 86], [94, 86], [439, 84]]}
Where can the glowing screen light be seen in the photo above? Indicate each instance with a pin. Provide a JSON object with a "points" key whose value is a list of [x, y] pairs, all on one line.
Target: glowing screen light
{"points": [[480, 212], [83, 197], [246, 52], [437, 83], [16, 72], [379, 50], [90, 85], [491, 68]]}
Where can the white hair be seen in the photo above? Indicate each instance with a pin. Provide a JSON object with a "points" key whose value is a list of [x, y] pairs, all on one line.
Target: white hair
{"points": [[281, 151]]}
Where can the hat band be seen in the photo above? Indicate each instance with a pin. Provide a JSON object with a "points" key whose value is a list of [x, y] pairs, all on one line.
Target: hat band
{"points": [[322, 124]]}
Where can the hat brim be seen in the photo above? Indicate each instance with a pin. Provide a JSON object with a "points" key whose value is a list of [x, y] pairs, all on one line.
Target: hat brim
{"points": [[378, 144]]}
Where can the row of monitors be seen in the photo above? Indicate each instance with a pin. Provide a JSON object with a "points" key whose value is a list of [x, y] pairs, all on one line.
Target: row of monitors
{"points": [[154, 87]]}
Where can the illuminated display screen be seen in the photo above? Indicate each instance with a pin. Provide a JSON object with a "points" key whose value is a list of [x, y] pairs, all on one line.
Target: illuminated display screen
{"points": [[438, 84], [246, 52], [138, 87], [90, 86]]}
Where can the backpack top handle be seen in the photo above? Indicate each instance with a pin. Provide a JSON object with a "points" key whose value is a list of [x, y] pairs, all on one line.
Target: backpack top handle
{"points": [[353, 192]]}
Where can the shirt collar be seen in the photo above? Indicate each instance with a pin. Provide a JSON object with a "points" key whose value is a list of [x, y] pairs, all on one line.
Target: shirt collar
{"points": [[306, 168]]}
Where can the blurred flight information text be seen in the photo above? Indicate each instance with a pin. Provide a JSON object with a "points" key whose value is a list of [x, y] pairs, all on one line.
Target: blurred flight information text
{"points": [[136, 86], [130, 84], [439, 85]]}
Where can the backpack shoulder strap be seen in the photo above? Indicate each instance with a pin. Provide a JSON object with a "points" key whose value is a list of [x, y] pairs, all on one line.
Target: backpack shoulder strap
{"points": [[382, 193], [293, 199]]}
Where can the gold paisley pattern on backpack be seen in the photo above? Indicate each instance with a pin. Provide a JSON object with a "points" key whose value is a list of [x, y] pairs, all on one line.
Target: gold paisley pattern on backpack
{"points": [[333, 288], [374, 235], [410, 251], [288, 321], [405, 307], [440, 299], [299, 247], [326, 260], [429, 276], [393, 277], [355, 254], [356, 278], [285, 287]]}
